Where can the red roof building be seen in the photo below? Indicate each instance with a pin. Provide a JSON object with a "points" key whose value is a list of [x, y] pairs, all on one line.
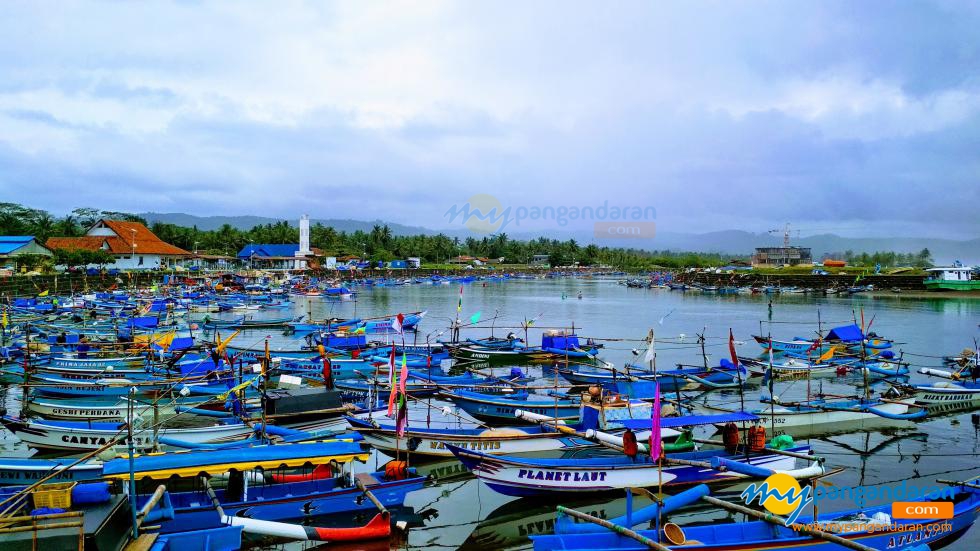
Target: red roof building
{"points": [[132, 243]]}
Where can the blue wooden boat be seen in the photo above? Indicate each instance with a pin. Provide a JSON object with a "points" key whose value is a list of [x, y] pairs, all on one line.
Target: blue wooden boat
{"points": [[363, 388], [28, 470], [290, 500], [521, 476], [191, 463], [280, 497], [334, 324], [512, 349], [911, 534], [500, 408], [639, 382], [246, 322], [849, 335], [412, 360], [83, 436], [221, 538]]}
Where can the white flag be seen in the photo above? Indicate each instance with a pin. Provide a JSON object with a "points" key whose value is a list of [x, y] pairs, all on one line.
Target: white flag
{"points": [[650, 351]]}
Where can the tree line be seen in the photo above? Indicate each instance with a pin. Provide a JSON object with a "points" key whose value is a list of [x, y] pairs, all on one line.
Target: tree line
{"points": [[380, 244]]}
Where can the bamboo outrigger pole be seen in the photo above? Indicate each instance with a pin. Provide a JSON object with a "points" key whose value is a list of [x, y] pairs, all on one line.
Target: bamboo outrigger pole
{"points": [[801, 528], [614, 527]]}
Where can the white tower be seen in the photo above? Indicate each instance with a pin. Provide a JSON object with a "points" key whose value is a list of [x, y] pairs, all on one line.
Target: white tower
{"points": [[304, 242]]}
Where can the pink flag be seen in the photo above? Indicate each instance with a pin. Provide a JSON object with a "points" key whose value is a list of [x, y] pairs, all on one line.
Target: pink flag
{"points": [[655, 444], [393, 388], [403, 377]]}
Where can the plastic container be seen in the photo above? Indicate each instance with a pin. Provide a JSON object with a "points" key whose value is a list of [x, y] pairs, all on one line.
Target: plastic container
{"points": [[54, 496]]}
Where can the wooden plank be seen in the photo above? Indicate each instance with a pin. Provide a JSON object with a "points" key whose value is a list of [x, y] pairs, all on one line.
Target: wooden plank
{"points": [[366, 479], [142, 543]]}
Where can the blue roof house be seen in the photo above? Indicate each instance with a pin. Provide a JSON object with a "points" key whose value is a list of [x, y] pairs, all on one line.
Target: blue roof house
{"points": [[13, 245]]}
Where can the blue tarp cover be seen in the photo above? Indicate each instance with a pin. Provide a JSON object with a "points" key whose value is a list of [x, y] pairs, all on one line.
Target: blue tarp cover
{"points": [[846, 333], [182, 343], [143, 322]]}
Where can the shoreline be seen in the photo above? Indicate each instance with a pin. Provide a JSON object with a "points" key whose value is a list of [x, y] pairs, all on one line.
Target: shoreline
{"points": [[926, 294]]}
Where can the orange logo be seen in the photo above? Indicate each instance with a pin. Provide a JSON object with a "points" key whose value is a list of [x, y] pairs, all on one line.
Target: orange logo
{"points": [[924, 510]]}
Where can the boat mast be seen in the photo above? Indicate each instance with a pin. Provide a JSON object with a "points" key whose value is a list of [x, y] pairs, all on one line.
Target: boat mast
{"points": [[772, 394]]}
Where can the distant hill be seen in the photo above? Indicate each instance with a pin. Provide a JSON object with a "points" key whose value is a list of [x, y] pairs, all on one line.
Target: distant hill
{"points": [[734, 242], [248, 222]]}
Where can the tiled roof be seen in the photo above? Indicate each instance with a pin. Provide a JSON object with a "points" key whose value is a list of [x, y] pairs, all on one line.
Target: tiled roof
{"points": [[76, 243], [127, 233]]}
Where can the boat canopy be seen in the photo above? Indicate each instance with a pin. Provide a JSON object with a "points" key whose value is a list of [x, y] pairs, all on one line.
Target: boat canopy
{"points": [[147, 321], [690, 420], [845, 333], [212, 462]]}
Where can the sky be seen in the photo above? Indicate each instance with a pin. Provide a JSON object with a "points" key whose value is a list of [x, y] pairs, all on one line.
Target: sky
{"points": [[855, 118]]}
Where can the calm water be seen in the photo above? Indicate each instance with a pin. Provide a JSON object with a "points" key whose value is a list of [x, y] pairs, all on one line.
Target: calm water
{"points": [[459, 512]]}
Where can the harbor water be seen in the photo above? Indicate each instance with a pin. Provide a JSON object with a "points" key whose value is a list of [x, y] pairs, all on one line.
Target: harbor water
{"points": [[455, 511]]}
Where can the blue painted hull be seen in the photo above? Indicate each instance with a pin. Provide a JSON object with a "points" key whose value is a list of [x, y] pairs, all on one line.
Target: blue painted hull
{"points": [[19, 470], [744, 536], [279, 502], [501, 410]]}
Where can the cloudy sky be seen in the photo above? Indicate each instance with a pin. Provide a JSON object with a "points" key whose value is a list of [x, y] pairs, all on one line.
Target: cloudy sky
{"points": [[858, 118]]}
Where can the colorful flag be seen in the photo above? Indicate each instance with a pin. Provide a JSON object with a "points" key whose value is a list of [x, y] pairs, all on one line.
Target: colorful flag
{"points": [[814, 346], [401, 422], [396, 323], [5, 321], [459, 307], [403, 377], [392, 387], [475, 317], [731, 348], [651, 350], [655, 444], [827, 355], [43, 293]]}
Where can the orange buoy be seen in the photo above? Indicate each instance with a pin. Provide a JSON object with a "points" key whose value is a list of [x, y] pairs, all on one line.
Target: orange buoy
{"points": [[396, 470]]}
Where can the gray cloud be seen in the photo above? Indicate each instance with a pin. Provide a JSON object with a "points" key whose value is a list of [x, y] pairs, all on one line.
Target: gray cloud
{"points": [[840, 117]]}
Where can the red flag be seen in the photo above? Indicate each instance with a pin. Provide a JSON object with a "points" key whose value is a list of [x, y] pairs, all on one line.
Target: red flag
{"points": [[396, 323], [731, 348], [655, 444]]}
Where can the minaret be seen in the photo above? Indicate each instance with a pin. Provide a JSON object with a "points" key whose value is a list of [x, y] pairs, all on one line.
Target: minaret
{"points": [[304, 242]]}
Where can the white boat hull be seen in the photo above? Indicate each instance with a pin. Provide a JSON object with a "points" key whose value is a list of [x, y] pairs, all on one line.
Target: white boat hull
{"points": [[53, 437], [435, 445], [946, 393]]}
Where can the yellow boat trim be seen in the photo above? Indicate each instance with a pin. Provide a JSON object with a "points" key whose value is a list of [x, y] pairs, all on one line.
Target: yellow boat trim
{"points": [[222, 468]]}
